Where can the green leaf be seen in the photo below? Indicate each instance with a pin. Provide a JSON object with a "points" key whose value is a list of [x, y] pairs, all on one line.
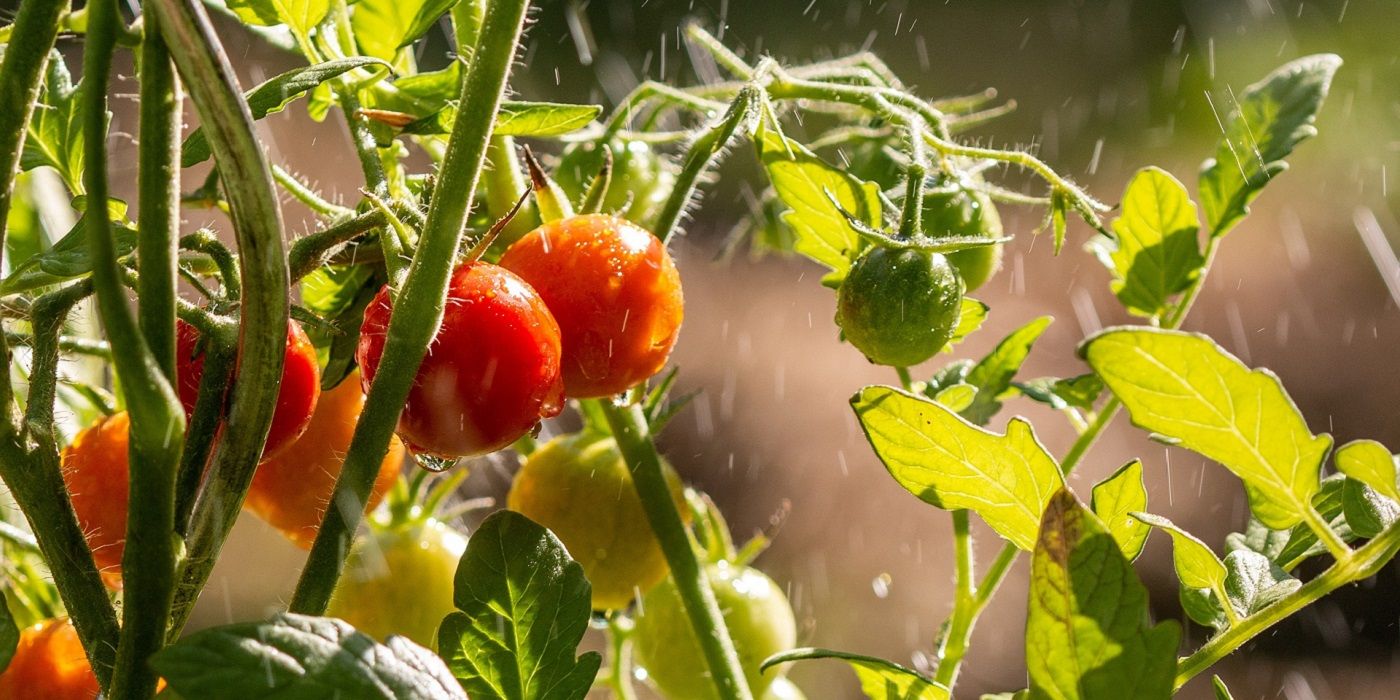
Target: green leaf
{"points": [[523, 607], [1196, 565], [273, 96], [1077, 392], [1367, 511], [299, 15], [992, 375], [1370, 463], [951, 463], [382, 27], [338, 294], [1088, 636], [1114, 501], [1253, 583], [298, 656], [9, 633], [68, 259], [1221, 692], [55, 135], [971, 315], [1157, 254], [529, 119], [803, 181], [879, 679], [1300, 542], [1185, 387], [958, 397], [1270, 118]]}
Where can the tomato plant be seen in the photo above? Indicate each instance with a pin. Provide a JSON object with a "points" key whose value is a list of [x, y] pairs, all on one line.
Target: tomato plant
{"points": [[211, 397]]}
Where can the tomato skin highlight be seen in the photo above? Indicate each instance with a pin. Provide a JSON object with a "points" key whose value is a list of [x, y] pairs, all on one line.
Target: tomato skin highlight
{"points": [[96, 472], [292, 489], [399, 580], [579, 487], [755, 611], [49, 664], [899, 307], [616, 293], [491, 373], [296, 394]]}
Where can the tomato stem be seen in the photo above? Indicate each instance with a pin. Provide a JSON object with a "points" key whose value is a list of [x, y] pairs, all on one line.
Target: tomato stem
{"points": [[702, 152], [419, 307], [158, 179], [634, 440], [315, 249]]}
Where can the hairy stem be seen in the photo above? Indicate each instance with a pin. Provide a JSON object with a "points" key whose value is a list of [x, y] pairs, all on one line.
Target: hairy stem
{"points": [[419, 305], [703, 150], [316, 249], [158, 182]]}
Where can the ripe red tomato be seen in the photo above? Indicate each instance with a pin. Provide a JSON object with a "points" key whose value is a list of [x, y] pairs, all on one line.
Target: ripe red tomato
{"points": [[616, 293], [95, 470], [491, 373], [291, 490], [296, 395], [49, 664]]}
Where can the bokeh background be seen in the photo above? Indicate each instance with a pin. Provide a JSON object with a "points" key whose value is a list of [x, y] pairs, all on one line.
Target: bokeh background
{"points": [[1103, 88]]}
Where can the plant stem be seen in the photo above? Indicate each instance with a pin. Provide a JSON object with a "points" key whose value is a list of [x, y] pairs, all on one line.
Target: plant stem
{"points": [[419, 306], [1360, 564], [263, 306], [157, 419], [619, 670], [314, 250], [634, 440], [366, 147], [306, 195], [959, 631], [159, 198], [704, 149]]}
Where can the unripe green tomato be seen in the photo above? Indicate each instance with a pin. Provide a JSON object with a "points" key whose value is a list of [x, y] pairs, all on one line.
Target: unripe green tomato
{"points": [[579, 487], [899, 307], [755, 611], [640, 183], [399, 581], [966, 212], [783, 689]]}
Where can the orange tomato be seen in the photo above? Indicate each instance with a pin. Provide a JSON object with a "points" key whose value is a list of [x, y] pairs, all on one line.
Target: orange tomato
{"points": [[95, 469], [49, 664], [291, 490]]}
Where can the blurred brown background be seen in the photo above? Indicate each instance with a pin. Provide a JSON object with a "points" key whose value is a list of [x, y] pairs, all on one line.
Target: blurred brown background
{"points": [[1103, 88]]}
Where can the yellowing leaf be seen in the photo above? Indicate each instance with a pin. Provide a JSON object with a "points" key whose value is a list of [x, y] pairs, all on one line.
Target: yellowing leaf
{"points": [[1370, 463], [1157, 253]]}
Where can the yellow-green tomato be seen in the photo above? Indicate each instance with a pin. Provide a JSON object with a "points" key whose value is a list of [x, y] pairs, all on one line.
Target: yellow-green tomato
{"points": [[399, 581], [579, 487], [759, 619]]}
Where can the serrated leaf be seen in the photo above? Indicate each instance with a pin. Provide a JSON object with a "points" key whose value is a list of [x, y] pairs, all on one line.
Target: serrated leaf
{"points": [[1367, 511], [55, 136], [1269, 119], [1088, 636], [1187, 388], [1157, 254], [992, 375], [523, 605], [1370, 463], [68, 259], [1196, 565], [950, 463], [802, 181], [530, 119], [298, 656], [299, 15], [273, 96], [382, 27], [1115, 499], [879, 679]]}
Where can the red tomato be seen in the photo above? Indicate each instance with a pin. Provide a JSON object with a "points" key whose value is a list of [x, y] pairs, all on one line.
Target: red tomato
{"points": [[49, 664], [290, 491], [296, 395], [616, 293], [95, 469], [491, 372]]}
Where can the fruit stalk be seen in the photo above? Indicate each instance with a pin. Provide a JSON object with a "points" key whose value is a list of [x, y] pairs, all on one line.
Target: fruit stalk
{"points": [[629, 427], [419, 306], [263, 305]]}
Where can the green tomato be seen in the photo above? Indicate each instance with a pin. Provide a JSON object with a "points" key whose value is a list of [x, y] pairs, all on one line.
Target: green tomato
{"points": [[899, 307], [641, 178], [758, 616], [966, 212], [579, 487], [399, 581]]}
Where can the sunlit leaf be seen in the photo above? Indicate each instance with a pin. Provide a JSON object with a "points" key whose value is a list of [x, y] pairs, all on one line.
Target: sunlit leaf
{"points": [[382, 27], [992, 375], [55, 135], [1157, 254], [1087, 630], [1114, 501], [530, 119], [1196, 565], [971, 315], [1268, 120], [1185, 387], [1370, 463], [299, 15], [1078, 392], [879, 679], [951, 463], [68, 259]]}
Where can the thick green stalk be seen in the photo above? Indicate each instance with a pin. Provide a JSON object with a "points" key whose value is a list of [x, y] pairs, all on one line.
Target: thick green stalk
{"points": [[158, 182], [634, 440], [157, 430], [366, 146], [419, 305], [263, 307]]}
